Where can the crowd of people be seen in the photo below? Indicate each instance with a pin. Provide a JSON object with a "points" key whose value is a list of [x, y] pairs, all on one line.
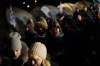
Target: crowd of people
{"points": [[68, 40]]}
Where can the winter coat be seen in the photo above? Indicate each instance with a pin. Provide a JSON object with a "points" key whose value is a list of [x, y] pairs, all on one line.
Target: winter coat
{"points": [[30, 36], [23, 57]]}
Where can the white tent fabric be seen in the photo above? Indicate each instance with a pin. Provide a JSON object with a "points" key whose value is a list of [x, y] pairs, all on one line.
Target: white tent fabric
{"points": [[12, 17], [21, 17], [68, 8], [81, 4], [20, 14], [45, 11]]}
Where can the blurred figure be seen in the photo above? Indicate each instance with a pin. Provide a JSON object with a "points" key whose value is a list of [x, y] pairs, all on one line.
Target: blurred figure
{"points": [[54, 42], [41, 27], [77, 11], [38, 55], [29, 25], [30, 33], [68, 27]]}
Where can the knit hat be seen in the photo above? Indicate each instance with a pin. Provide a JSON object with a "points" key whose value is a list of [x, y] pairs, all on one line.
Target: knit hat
{"points": [[15, 40], [38, 49]]}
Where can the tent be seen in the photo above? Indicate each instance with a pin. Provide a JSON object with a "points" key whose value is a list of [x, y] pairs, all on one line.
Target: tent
{"points": [[47, 11], [68, 8], [83, 3], [19, 17]]}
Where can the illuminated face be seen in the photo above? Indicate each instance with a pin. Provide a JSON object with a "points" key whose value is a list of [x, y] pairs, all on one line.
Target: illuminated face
{"points": [[55, 31], [77, 10], [98, 15], [40, 29], [79, 17], [17, 53], [85, 8], [36, 61]]}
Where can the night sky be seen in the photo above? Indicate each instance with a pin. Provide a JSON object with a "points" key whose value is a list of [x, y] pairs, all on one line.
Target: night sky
{"points": [[19, 3]]}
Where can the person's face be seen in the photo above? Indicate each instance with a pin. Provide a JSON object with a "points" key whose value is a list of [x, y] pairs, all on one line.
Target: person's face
{"points": [[36, 61], [85, 8], [39, 29], [17, 53], [98, 15], [79, 17], [55, 31], [67, 26], [91, 7], [77, 10]]}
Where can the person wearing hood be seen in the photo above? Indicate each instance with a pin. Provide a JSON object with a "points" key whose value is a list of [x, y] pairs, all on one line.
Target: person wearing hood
{"points": [[54, 41]]}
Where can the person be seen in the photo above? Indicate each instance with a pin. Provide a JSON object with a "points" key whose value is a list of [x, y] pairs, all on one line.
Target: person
{"points": [[17, 50], [41, 27], [29, 25], [55, 43], [38, 56], [30, 33]]}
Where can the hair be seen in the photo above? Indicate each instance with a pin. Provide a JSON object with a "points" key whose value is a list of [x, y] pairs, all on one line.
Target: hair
{"points": [[41, 22], [46, 63], [55, 24]]}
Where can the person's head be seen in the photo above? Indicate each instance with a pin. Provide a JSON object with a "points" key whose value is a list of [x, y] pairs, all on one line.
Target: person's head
{"points": [[55, 29], [91, 7], [98, 15], [85, 8], [16, 45], [79, 17], [66, 24], [77, 9], [30, 24], [41, 25], [37, 55]]}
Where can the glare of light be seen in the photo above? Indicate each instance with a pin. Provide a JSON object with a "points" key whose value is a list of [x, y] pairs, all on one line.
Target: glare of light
{"points": [[23, 2], [35, 1], [28, 6]]}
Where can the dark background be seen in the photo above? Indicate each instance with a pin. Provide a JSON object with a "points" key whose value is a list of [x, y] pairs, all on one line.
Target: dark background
{"points": [[18, 3]]}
